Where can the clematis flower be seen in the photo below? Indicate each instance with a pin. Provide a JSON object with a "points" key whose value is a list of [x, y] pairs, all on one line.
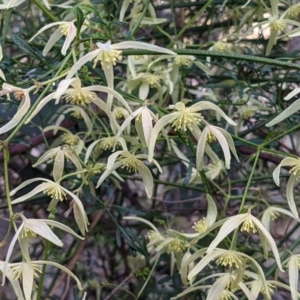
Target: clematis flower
{"points": [[30, 228], [295, 174], [184, 118], [143, 123], [250, 224], [27, 271], [59, 154], [76, 94], [277, 23], [14, 282], [20, 95], [235, 261], [133, 163], [211, 133], [272, 213], [67, 29], [108, 55], [56, 192]]}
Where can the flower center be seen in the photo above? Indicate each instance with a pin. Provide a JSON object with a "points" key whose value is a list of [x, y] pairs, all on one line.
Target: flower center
{"points": [[64, 28], [177, 246], [249, 226], [210, 137], [56, 193], [296, 170], [184, 61], [231, 259], [108, 143], [201, 226], [277, 25], [27, 233], [130, 162], [80, 96], [70, 139], [187, 117], [152, 80], [108, 56], [19, 95]]}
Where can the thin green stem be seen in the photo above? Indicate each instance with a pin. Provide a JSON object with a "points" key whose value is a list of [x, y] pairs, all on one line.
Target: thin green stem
{"points": [[45, 11], [7, 24], [149, 276], [249, 182], [232, 56]]}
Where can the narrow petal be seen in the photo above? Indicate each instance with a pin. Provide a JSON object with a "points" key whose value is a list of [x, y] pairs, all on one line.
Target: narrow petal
{"points": [[203, 105], [42, 103], [201, 148], [83, 60], [52, 41], [229, 225], [59, 164], [293, 276], [27, 279], [229, 142], [23, 184], [10, 250], [215, 292], [160, 124], [40, 188], [269, 239], [106, 173], [62, 226], [292, 94], [223, 143], [212, 210], [46, 27], [66, 270], [141, 45], [290, 195], [147, 179], [288, 161], [294, 107], [70, 37], [46, 156]]}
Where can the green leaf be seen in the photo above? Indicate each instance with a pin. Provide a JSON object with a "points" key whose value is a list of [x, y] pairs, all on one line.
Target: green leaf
{"points": [[80, 19], [27, 49]]}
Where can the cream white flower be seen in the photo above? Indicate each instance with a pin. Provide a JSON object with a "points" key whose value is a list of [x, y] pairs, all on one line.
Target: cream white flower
{"points": [[67, 29], [27, 271], [184, 118], [56, 192], [76, 94], [272, 213], [108, 55], [211, 133], [59, 154], [295, 174], [131, 162], [250, 224], [20, 95], [14, 282], [30, 228]]}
